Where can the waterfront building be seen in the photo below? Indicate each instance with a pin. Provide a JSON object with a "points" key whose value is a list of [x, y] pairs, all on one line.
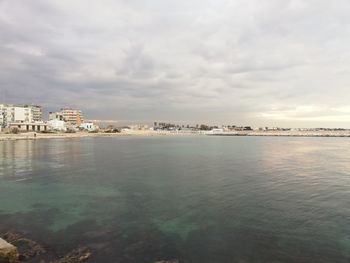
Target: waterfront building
{"points": [[217, 131], [37, 113], [71, 116], [88, 126], [2, 116], [11, 113], [28, 126], [57, 125], [139, 127], [55, 116]]}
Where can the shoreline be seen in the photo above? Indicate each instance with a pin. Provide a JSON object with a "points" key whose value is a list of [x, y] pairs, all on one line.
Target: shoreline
{"points": [[30, 135]]}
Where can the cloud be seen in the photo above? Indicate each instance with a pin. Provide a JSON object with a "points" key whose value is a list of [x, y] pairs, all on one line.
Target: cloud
{"points": [[209, 61]]}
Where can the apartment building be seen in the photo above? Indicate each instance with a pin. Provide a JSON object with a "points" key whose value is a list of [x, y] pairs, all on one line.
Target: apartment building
{"points": [[11, 113], [37, 112], [71, 116], [55, 116]]}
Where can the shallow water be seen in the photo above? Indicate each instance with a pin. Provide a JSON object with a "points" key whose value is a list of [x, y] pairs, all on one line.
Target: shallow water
{"points": [[196, 199]]}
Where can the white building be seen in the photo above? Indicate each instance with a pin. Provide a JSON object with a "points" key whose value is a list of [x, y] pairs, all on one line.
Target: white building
{"points": [[57, 125], [217, 131], [21, 117], [88, 126], [36, 110], [14, 114]]}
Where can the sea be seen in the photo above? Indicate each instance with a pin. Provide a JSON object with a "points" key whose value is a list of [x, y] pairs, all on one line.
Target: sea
{"points": [[189, 199]]}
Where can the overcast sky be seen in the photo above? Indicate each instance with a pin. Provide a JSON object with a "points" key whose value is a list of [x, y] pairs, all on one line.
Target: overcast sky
{"points": [[251, 62]]}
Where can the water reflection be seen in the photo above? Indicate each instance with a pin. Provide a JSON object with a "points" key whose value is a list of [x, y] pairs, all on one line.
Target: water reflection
{"points": [[306, 156], [19, 159], [16, 158]]}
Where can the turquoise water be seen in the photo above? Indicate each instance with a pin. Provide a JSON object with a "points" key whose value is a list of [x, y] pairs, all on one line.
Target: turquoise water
{"points": [[196, 199]]}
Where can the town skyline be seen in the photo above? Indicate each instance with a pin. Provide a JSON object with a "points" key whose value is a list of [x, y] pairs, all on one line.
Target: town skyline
{"points": [[37, 114]]}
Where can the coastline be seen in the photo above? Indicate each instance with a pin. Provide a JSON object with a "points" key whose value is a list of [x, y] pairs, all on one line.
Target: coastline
{"points": [[31, 136]]}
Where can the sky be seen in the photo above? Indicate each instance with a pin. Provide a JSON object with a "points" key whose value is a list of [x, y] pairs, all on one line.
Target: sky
{"points": [[239, 62]]}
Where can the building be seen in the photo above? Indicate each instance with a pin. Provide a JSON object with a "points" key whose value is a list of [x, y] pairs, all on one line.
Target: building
{"points": [[55, 116], [37, 113], [88, 126], [139, 127], [217, 131], [57, 125], [11, 113], [19, 113], [2, 116], [29, 126], [70, 116]]}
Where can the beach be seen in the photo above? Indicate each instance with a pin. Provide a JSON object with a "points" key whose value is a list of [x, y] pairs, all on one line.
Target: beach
{"points": [[33, 136]]}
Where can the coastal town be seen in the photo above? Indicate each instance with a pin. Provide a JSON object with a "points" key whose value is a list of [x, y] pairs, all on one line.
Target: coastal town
{"points": [[26, 120]]}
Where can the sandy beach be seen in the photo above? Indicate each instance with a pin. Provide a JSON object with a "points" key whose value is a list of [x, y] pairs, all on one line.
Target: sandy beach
{"points": [[31, 136]]}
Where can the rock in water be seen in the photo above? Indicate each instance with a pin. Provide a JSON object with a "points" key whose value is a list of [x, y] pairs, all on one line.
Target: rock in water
{"points": [[26, 248], [168, 261], [8, 252], [75, 256]]}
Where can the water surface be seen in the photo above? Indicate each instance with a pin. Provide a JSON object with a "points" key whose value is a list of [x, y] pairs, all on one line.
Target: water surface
{"points": [[196, 199]]}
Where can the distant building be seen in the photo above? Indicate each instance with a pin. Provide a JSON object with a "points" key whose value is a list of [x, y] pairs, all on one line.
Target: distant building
{"points": [[139, 127], [57, 125], [217, 130], [125, 129], [88, 126], [37, 114], [55, 116], [15, 114], [70, 116], [29, 126]]}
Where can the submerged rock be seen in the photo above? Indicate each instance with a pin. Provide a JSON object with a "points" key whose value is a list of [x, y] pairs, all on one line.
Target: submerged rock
{"points": [[168, 261], [75, 256], [8, 252]]}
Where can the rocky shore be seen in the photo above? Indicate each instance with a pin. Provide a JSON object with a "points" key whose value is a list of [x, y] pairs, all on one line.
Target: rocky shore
{"points": [[16, 248]]}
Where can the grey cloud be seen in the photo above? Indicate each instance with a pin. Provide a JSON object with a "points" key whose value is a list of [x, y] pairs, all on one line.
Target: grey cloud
{"points": [[227, 61]]}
